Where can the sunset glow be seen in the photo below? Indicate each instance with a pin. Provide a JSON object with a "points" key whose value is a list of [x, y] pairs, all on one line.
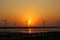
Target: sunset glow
{"points": [[29, 16], [34, 10]]}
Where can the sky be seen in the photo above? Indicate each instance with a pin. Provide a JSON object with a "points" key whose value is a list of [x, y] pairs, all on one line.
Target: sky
{"points": [[34, 10]]}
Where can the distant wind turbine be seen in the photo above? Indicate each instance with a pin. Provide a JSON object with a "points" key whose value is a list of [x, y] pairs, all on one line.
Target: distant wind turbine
{"points": [[5, 22], [26, 22]]}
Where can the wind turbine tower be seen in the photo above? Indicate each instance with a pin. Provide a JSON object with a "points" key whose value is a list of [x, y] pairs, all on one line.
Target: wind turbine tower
{"points": [[44, 23], [5, 22], [26, 22]]}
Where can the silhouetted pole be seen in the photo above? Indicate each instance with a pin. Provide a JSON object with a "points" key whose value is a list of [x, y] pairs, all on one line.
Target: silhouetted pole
{"points": [[0, 23], [15, 24]]}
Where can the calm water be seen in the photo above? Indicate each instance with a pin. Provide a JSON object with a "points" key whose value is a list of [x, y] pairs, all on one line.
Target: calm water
{"points": [[30, 30]]}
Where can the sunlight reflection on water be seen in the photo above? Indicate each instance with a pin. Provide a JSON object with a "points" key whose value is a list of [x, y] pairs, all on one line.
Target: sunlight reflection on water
{"points": [[30, 30]]}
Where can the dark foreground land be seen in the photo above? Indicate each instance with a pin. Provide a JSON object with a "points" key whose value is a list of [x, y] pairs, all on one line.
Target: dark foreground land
{"points": [[31, 36], [50, 35]]}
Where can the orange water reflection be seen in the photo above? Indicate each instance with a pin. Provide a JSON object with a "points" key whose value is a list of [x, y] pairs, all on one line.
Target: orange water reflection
{"points": [[30, 30]]}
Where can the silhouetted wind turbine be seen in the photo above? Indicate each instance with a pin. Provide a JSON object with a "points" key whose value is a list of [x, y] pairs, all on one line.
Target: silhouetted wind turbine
{"points": [[5, 22], [43, 23], [26, 22]]}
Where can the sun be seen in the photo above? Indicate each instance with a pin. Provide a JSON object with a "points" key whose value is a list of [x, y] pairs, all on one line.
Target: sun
{"points": [[28, 22]]}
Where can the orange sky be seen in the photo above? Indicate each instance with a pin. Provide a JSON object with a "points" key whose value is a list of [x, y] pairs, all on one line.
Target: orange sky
{"points": [[36, 10]]}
